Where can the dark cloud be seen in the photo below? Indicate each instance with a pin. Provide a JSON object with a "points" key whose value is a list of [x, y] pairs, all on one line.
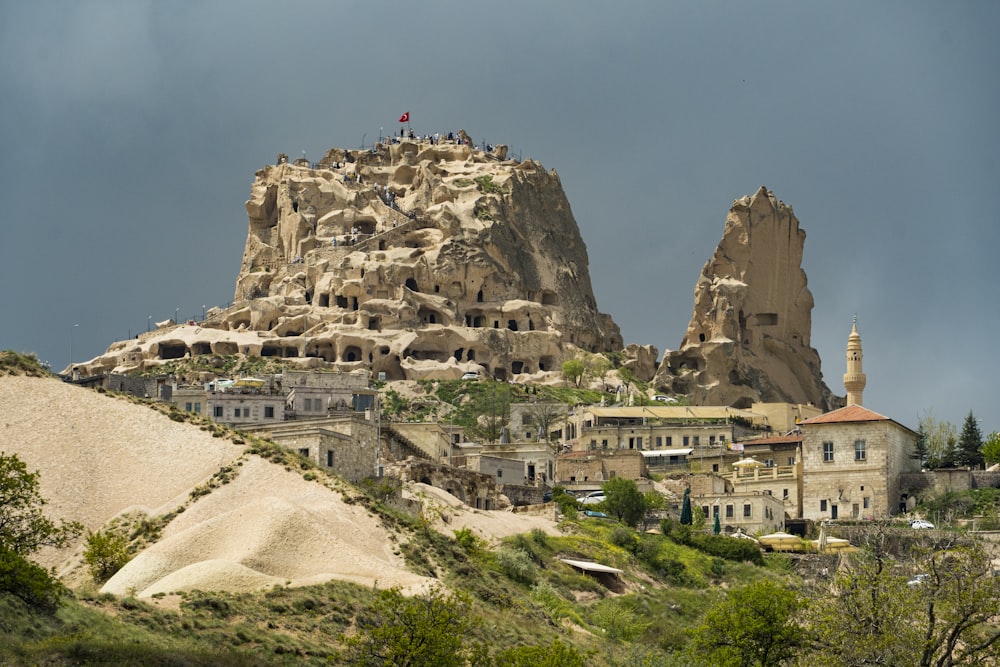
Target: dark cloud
{"points": [[133, 130]]}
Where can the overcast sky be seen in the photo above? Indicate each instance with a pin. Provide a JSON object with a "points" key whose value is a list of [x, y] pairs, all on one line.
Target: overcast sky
{"points": [[132, 130]]}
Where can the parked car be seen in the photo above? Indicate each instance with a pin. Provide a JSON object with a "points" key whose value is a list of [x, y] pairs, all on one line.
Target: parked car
{"points": [[470, 376], [592, 498], [918, 579], [664, 399], [921, 524]]}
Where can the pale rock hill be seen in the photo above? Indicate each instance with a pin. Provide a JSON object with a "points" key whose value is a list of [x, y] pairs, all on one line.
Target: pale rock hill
{"points": [[749, 335], [100, 456], [416, 260]]}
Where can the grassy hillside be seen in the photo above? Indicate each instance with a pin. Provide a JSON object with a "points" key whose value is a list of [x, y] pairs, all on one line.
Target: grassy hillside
{"points": [[520, 594]]}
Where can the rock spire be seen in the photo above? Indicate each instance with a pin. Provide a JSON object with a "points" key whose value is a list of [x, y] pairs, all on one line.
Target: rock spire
{"points": [[749, 335]]}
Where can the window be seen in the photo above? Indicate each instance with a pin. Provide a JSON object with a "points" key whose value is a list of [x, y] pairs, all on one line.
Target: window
{"points": [[827, 452], [697, 440], [859, 450], [638, 442], [197, 408], [659, 441], [304, 451], [188, 406], [791, 460], [704, 511], [604, 444], [499, 473], [236, 412], [715, 510], [329, 458], [525, 420], [747, 510], [822, 506], [711, 440], [217, 411], [686, 440], [868, 502], [729, 511], [670, 441], [784, 494], [307, 405], [768, 463], [269, 412]]}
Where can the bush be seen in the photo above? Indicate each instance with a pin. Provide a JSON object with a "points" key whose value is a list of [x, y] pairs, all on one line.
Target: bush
{"points": [[516, 564], [727, 547], [624, 538], [28, 583], [105, 554]]}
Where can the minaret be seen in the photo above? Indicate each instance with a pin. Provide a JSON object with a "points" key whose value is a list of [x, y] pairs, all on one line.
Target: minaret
{"points": [[854, 379]]}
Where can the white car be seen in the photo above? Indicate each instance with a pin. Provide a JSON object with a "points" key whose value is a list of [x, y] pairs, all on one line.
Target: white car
{"points": [[470, 376], [592, 498], [921, 524]]}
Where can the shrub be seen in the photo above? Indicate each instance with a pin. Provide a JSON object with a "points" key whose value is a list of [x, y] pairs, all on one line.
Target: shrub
{"points": [[516, 564], [624, 538], [105, 554]]}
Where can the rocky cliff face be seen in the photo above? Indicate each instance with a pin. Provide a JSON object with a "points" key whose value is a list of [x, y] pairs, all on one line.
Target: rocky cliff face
{"points": [[748, 339], [415, 260]]}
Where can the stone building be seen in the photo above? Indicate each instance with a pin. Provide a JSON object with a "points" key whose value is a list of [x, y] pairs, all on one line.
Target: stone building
{"points": [[752, 512], [772, 466], [853, 458], [587, 470], [345, 444], [658, 427]]}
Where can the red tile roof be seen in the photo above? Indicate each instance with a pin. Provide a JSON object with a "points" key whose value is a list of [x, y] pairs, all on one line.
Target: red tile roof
{"points": [[852, 413], [773, 440]]}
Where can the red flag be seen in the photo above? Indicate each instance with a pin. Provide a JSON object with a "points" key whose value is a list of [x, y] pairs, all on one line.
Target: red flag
{"points": [[405, 118]]}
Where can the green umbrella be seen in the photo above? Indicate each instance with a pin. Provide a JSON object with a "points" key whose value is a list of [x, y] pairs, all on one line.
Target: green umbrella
{"points": [[716, 527]]}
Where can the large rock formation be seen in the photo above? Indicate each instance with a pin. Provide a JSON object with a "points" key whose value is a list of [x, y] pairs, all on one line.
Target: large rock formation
{"points": [[415, 259], [748, 339]]}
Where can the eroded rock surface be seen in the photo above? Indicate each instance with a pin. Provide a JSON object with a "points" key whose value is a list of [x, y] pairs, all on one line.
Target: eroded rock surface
{"points": [[748, 339], [416, 259]]}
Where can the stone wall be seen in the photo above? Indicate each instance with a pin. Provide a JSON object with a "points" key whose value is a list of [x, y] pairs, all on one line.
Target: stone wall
{"points": [[583, 469], [473, 488]]}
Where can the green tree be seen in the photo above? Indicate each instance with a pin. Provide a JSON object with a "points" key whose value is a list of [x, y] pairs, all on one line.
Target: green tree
{"points": [[623, 500], [970, 444], [24, 529], [573, 370], [686, 516], [942, 439], [753, 625], [421, 631], [991, 448], [545, 415], [920, 446], [105, 554], [595, 365], [868, 617]]}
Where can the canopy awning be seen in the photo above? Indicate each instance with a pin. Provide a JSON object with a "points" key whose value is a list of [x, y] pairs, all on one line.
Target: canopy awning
{"points": [[590, 566], [652, 453]]}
